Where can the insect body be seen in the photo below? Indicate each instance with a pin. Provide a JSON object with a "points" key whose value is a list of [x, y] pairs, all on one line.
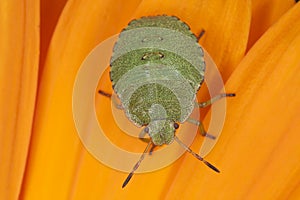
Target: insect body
{"points": [[146, 71], [157, 68]]}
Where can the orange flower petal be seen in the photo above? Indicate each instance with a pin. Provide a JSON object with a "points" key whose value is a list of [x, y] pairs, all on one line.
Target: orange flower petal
{"points": [[50, 12], [19, 57], [61, 168], [264, 14], [158, 182], [258, 152], [55, 149]]}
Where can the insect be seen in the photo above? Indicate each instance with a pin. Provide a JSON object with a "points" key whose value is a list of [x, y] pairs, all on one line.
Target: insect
{"points": [[157, 67]]}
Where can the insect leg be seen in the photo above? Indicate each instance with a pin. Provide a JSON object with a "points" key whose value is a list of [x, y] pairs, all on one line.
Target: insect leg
{"points": [[104, 93], [201, 128], [214, 99], [152, 149], [200, 34], [118, 106]]}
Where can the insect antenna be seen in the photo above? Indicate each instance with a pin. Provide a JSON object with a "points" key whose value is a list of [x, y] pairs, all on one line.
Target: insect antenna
{"points": [[195, 154], [104, 93], [136, 166]]}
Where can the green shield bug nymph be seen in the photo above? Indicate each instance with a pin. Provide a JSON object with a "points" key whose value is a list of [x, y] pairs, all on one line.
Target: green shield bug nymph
{"points": [[157, 67]]}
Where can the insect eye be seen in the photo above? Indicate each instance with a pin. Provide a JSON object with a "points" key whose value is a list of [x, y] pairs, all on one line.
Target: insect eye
{"points": [[176, 125], [146, 129]]}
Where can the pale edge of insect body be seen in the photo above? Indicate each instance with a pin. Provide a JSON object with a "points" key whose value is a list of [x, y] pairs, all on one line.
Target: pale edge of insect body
{"points": [[157, 68]]}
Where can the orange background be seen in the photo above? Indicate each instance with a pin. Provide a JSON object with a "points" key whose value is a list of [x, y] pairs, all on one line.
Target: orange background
{"points": [[256, 46]]}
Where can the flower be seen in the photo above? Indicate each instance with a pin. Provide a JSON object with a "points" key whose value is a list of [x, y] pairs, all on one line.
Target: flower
{"points": [[256, 46]]}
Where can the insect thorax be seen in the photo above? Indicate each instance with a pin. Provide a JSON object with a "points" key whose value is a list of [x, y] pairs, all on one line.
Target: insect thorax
{"points": [[157, 61]]}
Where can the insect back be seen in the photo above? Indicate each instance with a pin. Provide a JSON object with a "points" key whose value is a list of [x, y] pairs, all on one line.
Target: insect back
{"points": [[157, 64]]}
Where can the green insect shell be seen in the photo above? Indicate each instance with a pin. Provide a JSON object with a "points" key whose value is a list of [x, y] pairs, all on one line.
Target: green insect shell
{"points": [[157, 68]]}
